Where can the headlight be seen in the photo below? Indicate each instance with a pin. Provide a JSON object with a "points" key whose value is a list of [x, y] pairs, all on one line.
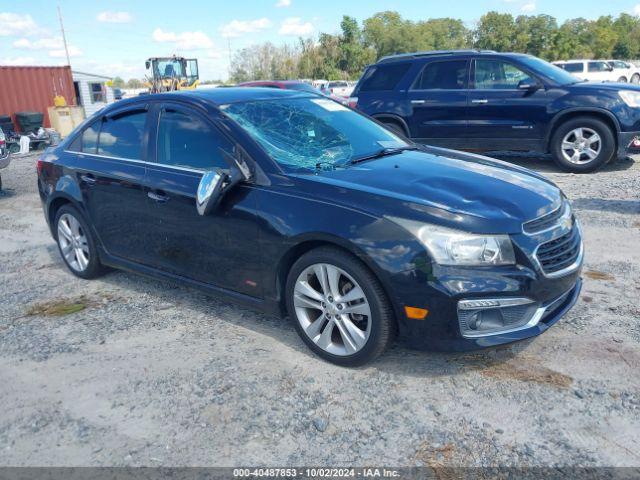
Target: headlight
{"points": [[630, 97], [453, 247]]}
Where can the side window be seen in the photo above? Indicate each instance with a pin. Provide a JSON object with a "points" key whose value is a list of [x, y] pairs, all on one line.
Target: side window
{"points": [[97, 92], [121, 136], [597, 67], [89, 139], [498, 75], [443, 76], [574, 67], [383, 77], [184, 140]]}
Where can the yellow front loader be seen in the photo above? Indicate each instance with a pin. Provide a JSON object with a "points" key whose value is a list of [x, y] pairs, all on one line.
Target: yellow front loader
{"points": [[172, 73]]}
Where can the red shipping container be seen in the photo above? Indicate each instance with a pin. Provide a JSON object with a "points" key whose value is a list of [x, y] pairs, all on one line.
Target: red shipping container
{"points": [[31, 89]]}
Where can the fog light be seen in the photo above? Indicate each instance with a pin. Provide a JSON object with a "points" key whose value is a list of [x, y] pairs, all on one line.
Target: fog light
{"points": [[483, 317]]}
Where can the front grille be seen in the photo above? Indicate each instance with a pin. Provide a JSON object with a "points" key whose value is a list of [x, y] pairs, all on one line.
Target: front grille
{"points": [[561, 252], [546, 221]]}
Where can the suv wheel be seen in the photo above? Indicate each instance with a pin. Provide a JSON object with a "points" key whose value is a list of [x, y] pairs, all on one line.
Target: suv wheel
{"points": [[622, 80], [635, 78], [582, 145], [76, 243], [339, 308]]}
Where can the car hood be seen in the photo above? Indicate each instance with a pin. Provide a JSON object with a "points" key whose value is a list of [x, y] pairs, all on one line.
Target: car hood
{"points": [[453, 189], [609, 86]]}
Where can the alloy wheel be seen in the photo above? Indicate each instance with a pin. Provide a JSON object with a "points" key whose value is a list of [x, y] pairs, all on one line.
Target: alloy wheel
{"points": [[332, 309], [73, 242], [581, 145]]}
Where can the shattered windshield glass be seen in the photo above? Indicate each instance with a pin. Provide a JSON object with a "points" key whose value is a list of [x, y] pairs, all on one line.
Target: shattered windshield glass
{"points": [[302, 133]]}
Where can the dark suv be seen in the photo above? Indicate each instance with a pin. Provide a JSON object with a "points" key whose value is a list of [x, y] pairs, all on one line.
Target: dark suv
{"points": [[483, 100]]}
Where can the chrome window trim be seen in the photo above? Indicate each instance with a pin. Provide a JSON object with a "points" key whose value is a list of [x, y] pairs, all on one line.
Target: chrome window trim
{"points": [[142, 162]]}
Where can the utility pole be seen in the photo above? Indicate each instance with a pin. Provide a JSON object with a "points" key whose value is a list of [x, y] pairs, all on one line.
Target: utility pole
{"points": [[229, 49], [64, 38]]}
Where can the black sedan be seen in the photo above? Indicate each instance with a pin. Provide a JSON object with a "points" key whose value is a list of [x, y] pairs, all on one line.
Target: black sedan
{"points": [[292, 203]]}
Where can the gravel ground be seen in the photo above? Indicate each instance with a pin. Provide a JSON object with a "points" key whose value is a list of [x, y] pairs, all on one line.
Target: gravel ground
{"points": [[132, 371]]}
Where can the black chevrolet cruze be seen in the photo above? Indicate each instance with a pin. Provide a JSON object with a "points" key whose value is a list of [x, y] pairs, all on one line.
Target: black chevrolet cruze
{"points": [[293, 204]]}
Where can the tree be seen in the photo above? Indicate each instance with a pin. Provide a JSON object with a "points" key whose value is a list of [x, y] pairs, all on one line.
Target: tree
{"points": [[118, 82], [496, 31], [134, 83]]}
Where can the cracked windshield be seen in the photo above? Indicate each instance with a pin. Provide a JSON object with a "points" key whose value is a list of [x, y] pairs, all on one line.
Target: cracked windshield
{"points": [[311, 133]]}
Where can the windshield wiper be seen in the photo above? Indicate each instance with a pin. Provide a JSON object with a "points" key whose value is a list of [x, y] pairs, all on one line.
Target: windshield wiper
{"points": [[384, 152]]}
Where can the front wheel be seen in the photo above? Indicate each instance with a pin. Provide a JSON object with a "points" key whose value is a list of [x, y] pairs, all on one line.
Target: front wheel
{"points": [[635, 78], [339, 307], [582, 145], [622, 80]]}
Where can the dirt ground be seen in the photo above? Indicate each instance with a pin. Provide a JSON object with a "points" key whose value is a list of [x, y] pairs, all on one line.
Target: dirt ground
{"points": [[130, 371]]}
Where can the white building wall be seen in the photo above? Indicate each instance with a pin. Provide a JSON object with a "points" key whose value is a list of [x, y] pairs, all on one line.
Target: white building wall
{"points": [[85, 92]]}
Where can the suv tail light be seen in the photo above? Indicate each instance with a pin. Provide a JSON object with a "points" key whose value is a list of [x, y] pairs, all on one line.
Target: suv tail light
{"points": [[353, 102]]}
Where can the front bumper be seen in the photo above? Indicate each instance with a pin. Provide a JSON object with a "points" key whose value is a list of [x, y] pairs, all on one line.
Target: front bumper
{"points": [[477, 307], [628, 144]]}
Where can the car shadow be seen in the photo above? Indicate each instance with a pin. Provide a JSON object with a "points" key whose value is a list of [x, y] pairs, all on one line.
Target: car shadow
{"points": [[398, 359], [545, 164]]}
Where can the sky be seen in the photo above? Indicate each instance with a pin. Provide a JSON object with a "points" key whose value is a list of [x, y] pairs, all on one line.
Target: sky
{"points": [[115, 37]]}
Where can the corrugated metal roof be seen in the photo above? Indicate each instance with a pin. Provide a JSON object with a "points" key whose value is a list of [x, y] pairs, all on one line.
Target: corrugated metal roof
{"points": [[33, 88]]}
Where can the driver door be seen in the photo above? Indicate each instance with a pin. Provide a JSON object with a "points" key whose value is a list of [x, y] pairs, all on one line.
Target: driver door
{"points": [[500, 114], [220, 248]]}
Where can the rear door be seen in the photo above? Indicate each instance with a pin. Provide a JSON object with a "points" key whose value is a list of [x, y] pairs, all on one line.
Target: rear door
{"points": [[111, 170], [217, 249], [438, 102], [502, 115]]}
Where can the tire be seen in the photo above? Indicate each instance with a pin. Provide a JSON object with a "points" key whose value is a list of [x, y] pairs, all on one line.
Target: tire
{"points": [[396, 128], [635, 78], [585, 162], [313, 314], [622, 80], [92, 268]]}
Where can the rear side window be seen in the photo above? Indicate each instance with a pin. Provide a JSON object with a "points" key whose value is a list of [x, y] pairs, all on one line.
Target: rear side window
{"points": [[443, 76], [383, 77], [184, 140], [89, 139], [573, 67], [121, 136]]}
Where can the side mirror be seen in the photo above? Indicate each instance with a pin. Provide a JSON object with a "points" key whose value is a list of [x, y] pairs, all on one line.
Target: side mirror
{"points": [[529, 85], [210, 191]]}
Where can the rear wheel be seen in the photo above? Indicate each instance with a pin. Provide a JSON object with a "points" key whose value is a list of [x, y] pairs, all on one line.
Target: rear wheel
{"points": [[582, 145], [635, 78], [339, 308], [76, 243], [622, 79]]}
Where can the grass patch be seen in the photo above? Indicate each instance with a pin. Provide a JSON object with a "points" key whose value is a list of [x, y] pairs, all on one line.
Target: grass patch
{"points": [[527, 371], [597, 275], [58, 308]]}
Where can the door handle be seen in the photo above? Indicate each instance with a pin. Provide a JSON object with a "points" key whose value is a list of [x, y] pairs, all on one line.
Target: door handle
{"points": [[417, 102], [480, 100], [158, 197], [88, 179]]}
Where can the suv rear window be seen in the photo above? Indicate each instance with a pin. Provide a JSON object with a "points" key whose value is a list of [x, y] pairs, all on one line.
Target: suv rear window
{"points": [[383, 77], [573, 67], [449, 75]]}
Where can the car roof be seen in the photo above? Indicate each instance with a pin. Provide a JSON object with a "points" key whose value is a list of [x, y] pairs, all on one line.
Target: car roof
{"points": [[430, 53], [215, 96]]}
